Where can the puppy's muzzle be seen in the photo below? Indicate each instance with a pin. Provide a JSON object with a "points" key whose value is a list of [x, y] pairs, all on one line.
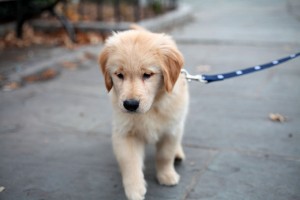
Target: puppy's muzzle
{"points": [[131, 105]]}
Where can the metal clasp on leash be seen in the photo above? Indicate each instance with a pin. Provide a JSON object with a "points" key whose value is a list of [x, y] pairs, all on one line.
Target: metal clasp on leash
{"points": [[190, 77]]}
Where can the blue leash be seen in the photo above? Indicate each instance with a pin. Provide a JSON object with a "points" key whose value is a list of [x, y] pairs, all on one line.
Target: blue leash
{"points": [[220, 77]]}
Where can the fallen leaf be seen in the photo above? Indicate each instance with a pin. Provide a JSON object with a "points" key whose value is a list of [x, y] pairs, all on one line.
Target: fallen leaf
{"points": [[31, 78], [42, 76], [276, 117], [90, 56], [69, 65], [32, 37], [48, 74], [11, 86]]}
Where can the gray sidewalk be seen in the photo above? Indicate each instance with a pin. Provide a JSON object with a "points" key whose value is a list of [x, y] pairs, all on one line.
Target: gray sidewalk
{"points": [[55, 136]]}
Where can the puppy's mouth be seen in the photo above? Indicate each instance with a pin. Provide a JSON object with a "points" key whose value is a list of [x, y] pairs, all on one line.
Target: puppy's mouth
{"points": [[131, 112]]}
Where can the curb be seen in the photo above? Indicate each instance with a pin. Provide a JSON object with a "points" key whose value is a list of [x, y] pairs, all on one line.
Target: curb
{"points": [[52, 63]]}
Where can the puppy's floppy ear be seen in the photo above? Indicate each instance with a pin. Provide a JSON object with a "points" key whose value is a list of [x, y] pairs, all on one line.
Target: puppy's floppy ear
{"points": [[102, 61], [172, 62]]}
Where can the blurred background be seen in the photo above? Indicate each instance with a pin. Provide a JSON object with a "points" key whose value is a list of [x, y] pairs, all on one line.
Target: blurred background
{"points": [[84, 21], [30, 29]]}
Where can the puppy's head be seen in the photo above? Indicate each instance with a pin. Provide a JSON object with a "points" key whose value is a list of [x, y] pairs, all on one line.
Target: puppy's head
{"points": [[138, 65]]}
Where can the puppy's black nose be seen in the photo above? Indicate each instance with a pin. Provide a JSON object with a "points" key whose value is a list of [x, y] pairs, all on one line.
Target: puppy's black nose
{"points": [[131, 104]]}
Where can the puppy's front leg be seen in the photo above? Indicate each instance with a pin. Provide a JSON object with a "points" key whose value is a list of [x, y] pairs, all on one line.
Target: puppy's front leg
{"points": [[129, 152]]}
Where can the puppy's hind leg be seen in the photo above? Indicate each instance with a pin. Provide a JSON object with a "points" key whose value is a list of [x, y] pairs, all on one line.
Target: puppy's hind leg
{"points": [[165, 154], [179, 155], [129, 152]]}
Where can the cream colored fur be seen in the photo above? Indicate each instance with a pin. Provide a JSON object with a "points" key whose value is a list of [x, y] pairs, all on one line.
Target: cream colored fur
{"points": [[145, 66]]}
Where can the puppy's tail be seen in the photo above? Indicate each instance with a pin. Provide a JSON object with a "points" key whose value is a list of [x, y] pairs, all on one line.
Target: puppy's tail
{"points": [[137, 27]]}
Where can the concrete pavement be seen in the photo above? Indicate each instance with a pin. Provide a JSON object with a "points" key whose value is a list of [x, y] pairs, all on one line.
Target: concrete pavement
{"points": [[55, 136]]}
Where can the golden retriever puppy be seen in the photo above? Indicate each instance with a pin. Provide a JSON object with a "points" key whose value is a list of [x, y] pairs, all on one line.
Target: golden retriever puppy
{"points": [[150, 102]]}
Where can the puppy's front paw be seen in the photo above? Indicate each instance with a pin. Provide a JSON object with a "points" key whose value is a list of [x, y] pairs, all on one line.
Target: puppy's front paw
{"points": [[135, 191], [169, 177]]}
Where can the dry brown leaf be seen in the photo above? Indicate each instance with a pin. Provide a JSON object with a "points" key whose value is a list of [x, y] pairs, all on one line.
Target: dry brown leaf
{"points": [[69, 65], [82, 38], [42, 76], [89, 56], [276, 117], [48, 74], [31, 78], [11, 86], [60, 37], [31, 37]]}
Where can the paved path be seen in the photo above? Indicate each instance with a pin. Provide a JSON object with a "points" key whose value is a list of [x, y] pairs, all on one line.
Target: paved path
{"points": [[55, 136]]}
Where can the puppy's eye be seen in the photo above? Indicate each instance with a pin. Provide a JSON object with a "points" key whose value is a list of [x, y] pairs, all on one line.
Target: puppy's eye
{"points": [[147, 75], [120, 76]]}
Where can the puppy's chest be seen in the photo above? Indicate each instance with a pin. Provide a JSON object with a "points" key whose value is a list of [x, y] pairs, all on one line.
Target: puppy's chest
{"points": [[150, 127]]}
